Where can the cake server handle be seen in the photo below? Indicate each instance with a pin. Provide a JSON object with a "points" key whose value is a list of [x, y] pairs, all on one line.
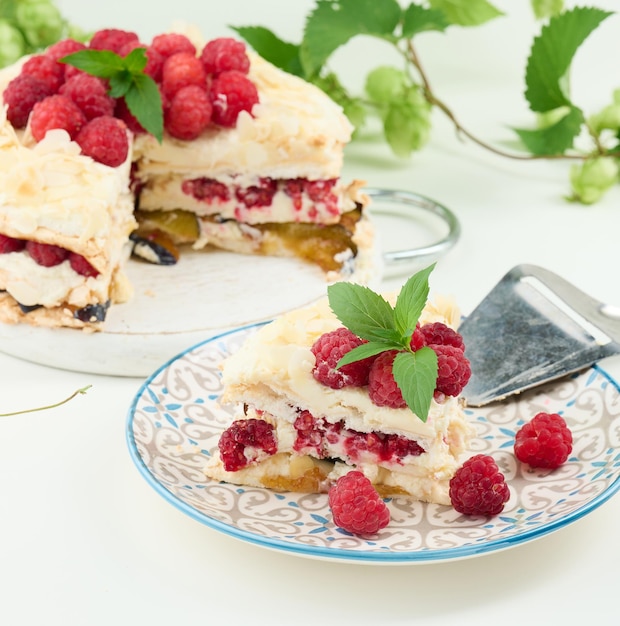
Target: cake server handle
{"points": [[415, 210]]}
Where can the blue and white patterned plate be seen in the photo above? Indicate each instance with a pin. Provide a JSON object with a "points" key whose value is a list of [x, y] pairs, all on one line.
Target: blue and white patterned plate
{"points": [[175, 421]]}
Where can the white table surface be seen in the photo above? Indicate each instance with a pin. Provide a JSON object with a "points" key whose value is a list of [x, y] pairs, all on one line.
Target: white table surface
{"points": [[84, 540]]}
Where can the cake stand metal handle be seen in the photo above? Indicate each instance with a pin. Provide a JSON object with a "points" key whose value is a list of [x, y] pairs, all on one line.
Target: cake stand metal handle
{"points": [[404, 204]]}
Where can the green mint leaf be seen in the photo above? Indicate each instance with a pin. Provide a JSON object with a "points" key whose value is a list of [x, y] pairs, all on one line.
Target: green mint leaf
{"points": [[418, 19], [144, 101], [551, 55], [119, 84], [556, 138], [415, 374], [101, 63], [273, 49], [411, 301], [333, 23], [546, 8], [372, 348], [362, 311], [136, 60], [467, 12]]}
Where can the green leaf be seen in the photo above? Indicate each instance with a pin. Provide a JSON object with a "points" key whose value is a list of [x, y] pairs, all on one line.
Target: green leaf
{"points": [[120, 83], [546, 8], [136, 60], [333, 23], [144, 101], [551, 55], [273, 49], [366, 350], [101, 63], [467, 12], [362, 311], [418, 19], [411, 301], [556, 138], [415, 374]]}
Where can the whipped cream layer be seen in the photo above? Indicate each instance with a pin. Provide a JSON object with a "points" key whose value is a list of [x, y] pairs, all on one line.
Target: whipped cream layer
{"points": [[296, 130]]}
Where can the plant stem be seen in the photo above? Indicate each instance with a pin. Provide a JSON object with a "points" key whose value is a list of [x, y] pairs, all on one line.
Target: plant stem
{"points": [[412, 57], [50, 406]]}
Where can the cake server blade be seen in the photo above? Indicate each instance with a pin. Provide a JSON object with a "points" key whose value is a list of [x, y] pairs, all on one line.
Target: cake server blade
{"points": [[534, 327]]}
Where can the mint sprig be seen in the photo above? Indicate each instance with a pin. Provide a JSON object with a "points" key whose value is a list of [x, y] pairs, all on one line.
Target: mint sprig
{"points": [[386, 327], [126, 79]]}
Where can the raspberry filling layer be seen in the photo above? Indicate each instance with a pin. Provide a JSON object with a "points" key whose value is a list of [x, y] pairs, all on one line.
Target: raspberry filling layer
{"points": [[46, 254], [261, 195], [324, 440]]}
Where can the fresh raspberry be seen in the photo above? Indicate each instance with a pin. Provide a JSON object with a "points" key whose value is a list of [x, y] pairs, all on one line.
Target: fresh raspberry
{"points": [[478, 487], [417, 339], [181, 70], [46, 254], [206, 190], [545, 441], [230, 93], [20, 96], [328, 349], [105, 140], [46, 69], [56, 111], [64, 48], [189, 113], [154, 59], [168, 44], [90, 94], [112, 39], [246, 441], [437, 333], [11, 244], [81, 266], [382, 388], [453, 370], [122, 112], [356, 506], [257, 195], [225, 54]]}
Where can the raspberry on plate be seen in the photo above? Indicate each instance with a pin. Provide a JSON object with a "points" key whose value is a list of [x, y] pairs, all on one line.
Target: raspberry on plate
{"points": [[545, 441], [478, 487], [356, 506], [328, 349]]}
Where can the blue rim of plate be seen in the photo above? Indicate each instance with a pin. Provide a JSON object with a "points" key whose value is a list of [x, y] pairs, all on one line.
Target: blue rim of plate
{"points": [[336, 554]]}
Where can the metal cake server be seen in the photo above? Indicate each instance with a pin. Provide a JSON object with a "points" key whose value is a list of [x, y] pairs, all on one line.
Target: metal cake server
{"points": [[534, 327]]}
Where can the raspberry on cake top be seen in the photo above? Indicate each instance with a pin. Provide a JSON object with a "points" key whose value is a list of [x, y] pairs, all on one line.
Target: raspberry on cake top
{"points": [[299, 426]]}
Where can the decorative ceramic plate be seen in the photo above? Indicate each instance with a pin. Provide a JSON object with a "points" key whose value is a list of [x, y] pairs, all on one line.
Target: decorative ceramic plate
{"points": [[175, 421], [179, 305]]}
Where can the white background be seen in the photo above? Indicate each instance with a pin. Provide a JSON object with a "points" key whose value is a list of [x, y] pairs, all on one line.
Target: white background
{"points": [[84, 540]]}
